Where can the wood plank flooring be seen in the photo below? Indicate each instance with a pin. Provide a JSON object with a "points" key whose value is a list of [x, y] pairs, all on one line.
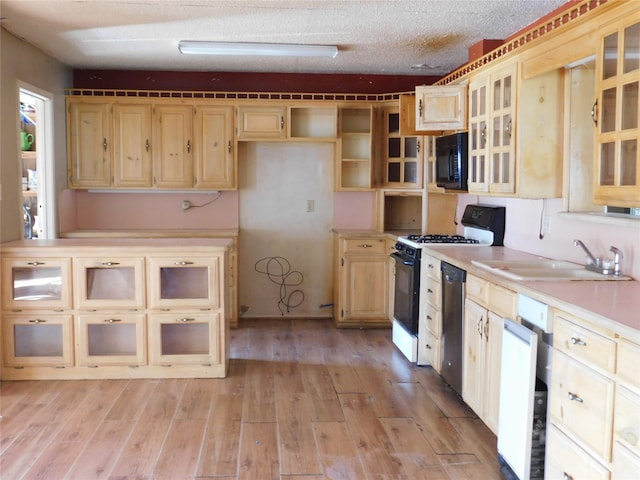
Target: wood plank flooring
{"points": [[302, 401]]}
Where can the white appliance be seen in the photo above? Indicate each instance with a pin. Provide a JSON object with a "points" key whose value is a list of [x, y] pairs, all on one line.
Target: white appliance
{"points": [[524, 376]]}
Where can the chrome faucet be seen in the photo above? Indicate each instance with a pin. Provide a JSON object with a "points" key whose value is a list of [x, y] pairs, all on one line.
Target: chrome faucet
{"points": [[617, 256], [593, 259], [600, 265]]}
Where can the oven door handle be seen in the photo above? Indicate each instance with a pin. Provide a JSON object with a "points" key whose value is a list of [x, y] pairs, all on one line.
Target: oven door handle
{"points": [[399, 258]]}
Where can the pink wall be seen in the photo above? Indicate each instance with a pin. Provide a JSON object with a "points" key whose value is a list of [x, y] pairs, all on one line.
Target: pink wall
{"points": [[82, 210], [522, 231]]}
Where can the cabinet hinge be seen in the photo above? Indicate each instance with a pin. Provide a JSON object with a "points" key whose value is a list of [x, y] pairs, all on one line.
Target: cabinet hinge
{"points": [[342, 262], [342, 313]]}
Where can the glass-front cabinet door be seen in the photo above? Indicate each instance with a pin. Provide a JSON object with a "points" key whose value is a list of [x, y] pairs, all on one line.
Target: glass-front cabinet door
{"points": [[617, 169], [38, 339], [478, 180], [184, 282], [502, 138], [36, 283], [111, 339], [110, 283], [403, 154], [185, 338]]}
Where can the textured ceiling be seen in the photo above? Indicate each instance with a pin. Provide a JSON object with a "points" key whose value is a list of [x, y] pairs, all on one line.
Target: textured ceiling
{"points": [[428, 37]]}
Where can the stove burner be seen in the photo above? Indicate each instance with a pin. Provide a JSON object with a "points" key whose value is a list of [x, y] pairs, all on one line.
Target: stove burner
{"points": [[435, 238]]}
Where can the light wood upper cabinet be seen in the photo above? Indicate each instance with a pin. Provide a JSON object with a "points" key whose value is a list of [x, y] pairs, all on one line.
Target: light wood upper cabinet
{"points": [[617, 164], [516, 135], [173, 146], [215, 158], [89, 144], [132, 145], [441, 107], [354, 157], [403, 158], [261, 122]]}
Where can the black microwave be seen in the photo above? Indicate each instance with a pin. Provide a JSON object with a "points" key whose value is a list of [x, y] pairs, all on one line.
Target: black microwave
{"points": [[452, 161]]}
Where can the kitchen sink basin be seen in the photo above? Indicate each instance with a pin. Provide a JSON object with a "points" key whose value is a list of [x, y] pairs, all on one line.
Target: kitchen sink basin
{"points": [[542, 269]]}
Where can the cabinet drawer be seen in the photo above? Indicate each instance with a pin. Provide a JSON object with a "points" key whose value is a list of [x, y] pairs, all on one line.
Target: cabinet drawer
{"points": [[432, 320], [626, 422], [431, 266], [502, 301], [582, 400], [628, 361], [364, 245], [625, 463], [478, 290], [431, 292], [584, 344], [429, 351], [566, 460]]}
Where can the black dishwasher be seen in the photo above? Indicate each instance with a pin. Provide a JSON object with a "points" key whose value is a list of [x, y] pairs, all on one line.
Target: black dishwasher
{"points": [[453, 279]]}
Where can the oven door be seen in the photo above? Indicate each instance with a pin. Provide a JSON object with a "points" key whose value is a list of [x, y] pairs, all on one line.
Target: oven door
{"points": [[406, 291]]}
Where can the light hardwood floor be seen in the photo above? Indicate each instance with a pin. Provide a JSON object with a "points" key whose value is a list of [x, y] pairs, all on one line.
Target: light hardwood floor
{"points": [[302, 401]]}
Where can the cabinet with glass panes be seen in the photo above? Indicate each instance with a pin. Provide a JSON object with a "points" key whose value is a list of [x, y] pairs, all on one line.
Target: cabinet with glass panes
{"points": [[403, 154], [615, 114]]}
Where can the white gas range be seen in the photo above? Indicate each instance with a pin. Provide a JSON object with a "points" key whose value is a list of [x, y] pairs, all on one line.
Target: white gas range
{"points": [[483, 226]]}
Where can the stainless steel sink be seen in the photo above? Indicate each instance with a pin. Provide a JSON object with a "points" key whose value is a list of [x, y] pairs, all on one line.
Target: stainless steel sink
{"points": [[542, 269]]}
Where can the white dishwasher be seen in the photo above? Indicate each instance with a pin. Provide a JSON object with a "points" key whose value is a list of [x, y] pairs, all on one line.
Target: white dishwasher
{"points": [[525, 374]]}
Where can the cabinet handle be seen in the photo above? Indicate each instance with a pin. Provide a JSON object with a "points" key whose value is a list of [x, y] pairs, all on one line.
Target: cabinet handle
{"points": [[483, 136], [594, 113], [229, 146], [578, 341], [480, 327], [110, 264], [566, 476], [104, 144], [429, 317], [418, 146], [575, 398], [365, 245], [185, 320], [188, 146], [509, 126], [112, 320], [37, 320], [428, 346], [281, 122], [35, 264], [147, 145], [420, 107], [183, 262], [431, 265]]}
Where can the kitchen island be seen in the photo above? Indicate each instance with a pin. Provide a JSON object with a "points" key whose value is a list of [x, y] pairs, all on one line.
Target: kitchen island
{"points": [[115, 308]]}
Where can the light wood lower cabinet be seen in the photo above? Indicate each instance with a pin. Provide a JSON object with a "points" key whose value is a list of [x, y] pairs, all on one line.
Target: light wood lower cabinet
{"points": [[594, 402], [127, 309], [362, 281]]}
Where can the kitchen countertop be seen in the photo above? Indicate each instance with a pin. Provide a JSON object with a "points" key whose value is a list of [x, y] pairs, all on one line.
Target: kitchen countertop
{"points": [[610, 300]]}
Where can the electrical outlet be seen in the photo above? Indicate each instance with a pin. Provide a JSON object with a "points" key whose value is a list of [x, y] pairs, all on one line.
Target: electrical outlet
{"points": [[186, 205]]}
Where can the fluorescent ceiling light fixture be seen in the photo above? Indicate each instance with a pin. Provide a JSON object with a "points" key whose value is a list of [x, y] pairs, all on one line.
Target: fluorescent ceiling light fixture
{"points": [[257, 49]]}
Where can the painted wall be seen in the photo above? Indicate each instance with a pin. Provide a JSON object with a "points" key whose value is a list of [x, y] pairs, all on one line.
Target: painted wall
{"points": [[20, 62], [522, 231]]}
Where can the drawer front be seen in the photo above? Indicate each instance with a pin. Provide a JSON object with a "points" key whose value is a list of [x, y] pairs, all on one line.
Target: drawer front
{"points": [[431, 291], [433, 320], [502, 301], [626, 423], [584, 344], [431, 266], [477, 289], [566, 460], [582, 400], [429, 351], [628, 362], [364, 245]]}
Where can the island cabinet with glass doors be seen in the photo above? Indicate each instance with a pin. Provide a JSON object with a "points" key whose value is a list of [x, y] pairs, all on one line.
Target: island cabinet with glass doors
{"points": [[75, 309]]}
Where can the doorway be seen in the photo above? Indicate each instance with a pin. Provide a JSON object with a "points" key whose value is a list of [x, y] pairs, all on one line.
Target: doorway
{"points": [[38, 208]]}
